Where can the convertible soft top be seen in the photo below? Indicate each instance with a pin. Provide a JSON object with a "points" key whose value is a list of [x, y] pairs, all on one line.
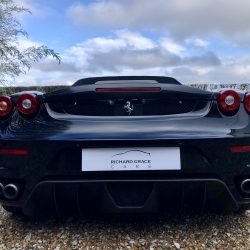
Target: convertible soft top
{"points": [[158, 79]]}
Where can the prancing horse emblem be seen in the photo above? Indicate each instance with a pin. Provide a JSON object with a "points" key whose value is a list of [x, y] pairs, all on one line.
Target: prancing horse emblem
{"points": [[128, 107]]}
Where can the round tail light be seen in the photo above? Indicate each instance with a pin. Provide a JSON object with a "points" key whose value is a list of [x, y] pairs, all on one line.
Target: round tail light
{"points": [[228, 100], [6, 106], [28, 104], [247, 103]]}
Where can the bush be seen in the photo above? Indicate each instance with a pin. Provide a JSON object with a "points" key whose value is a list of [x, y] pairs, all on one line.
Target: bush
{"points": [[211, 87]]}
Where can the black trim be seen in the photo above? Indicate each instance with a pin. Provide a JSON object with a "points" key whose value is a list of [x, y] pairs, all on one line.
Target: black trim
{"points": [[93, 80], [64, 198]]}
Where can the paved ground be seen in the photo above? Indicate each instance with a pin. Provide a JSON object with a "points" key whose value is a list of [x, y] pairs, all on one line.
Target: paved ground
{"points": [[160, 231]]}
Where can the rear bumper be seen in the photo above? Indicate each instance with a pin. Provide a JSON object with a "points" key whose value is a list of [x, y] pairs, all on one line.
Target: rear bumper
{"points": [[51, 176]]}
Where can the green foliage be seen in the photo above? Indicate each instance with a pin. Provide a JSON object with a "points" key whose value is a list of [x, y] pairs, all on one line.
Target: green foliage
{"points": [[13, 61]]}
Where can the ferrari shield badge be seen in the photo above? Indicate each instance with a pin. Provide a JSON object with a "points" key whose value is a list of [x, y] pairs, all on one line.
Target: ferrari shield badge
{"points": [[129, 107]]}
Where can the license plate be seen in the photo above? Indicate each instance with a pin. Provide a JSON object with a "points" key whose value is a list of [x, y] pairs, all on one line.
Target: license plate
{"points": [[127, 159]]}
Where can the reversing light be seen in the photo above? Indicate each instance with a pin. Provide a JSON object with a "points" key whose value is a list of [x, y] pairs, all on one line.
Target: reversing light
{"points": [[228, 100], [6, 106], [247, 103], [128, 89], [28, 104]]}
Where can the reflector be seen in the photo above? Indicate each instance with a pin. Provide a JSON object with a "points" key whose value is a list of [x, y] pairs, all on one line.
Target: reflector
{"points": [[6, 106], [236, 149], [28, 104], [14, 151], [128, 89], [228, 100]]}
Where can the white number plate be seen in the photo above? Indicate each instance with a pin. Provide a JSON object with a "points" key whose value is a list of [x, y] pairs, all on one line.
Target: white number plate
{"points": [[122, 159]]}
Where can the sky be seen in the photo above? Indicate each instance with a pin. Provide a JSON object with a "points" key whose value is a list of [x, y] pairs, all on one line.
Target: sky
{"points": [[198, 41]]}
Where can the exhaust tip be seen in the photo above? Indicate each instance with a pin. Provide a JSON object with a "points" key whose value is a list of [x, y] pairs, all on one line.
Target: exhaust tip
{"points": [[10, 191], [1, 188], [245, 186]]}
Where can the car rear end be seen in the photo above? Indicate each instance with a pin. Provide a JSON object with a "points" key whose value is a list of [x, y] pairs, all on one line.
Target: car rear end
{"points": [[125, 145]]}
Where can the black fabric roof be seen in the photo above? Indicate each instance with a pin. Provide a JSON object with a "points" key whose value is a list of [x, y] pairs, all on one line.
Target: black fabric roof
{"points": [[93, 80]]}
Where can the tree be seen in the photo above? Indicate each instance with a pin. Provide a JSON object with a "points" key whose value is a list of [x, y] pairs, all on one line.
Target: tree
{"points": [[13, 61]]}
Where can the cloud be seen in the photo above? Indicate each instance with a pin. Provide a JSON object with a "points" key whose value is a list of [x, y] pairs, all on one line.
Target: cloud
{"points": [[132, 50], [181, 19], [33, 79], [172, 47], [131, 53], [197, 42], [125, 39], [125, 53], [105, 12], [135, 40], [53, 66], [24, 43], [206, 59], [36, 9]]}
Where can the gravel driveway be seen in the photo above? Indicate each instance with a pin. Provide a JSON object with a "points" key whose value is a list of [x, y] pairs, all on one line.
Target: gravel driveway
{"points": [[159, 231]]}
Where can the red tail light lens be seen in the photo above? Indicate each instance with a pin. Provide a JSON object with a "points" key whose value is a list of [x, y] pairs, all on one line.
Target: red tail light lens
{"points": [[6, 106], [247, 103], [228, 100], [28, 104]]}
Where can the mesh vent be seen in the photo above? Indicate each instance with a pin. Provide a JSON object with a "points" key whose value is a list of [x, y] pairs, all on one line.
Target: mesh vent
{"points": [[165, 107], [140, 108], [89, 108]]}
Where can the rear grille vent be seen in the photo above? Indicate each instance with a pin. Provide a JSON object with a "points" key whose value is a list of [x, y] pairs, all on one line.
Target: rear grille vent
{"points": [[140, 107], [164, 107], [89, 108]]}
